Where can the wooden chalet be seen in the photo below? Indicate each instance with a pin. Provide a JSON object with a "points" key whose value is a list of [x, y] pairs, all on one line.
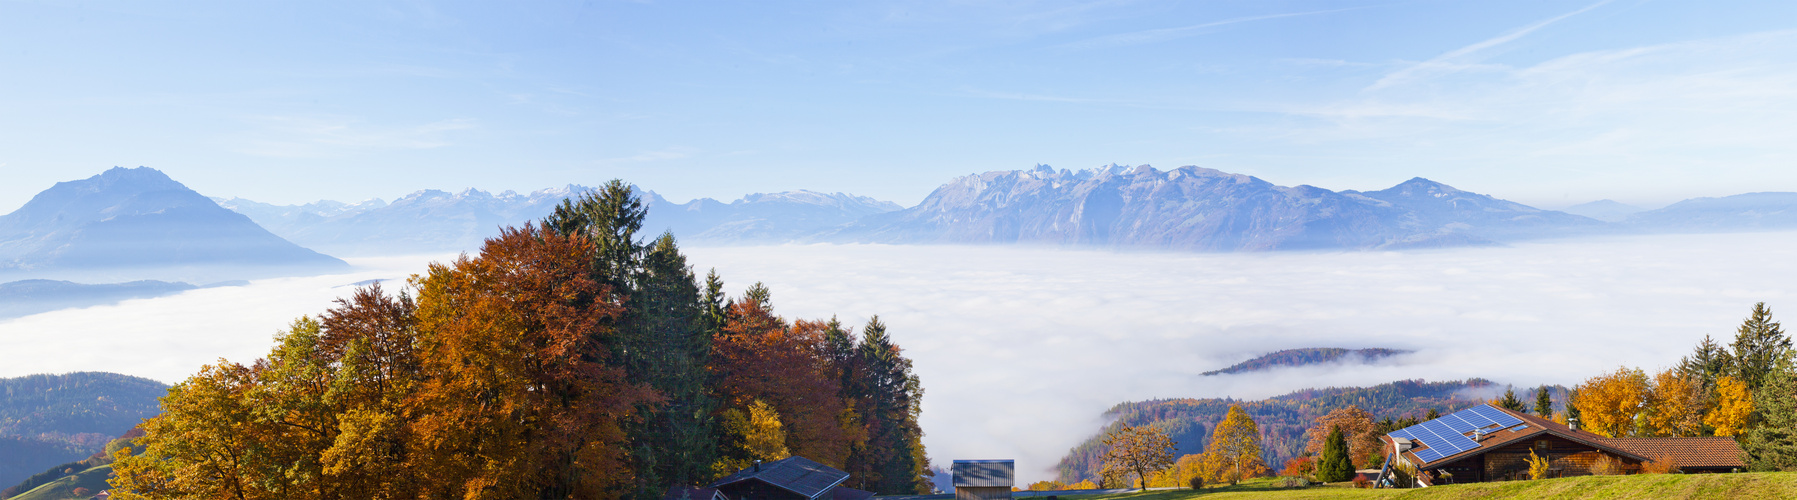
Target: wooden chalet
{"points": [[790, 478], [984, 479], [1487, 443]]}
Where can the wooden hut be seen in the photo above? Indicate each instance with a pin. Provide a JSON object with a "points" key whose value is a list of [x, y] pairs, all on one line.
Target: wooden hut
{"points": [[984, 479]]}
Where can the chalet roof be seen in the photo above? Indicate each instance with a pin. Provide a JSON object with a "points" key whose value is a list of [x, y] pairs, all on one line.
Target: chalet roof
{"points": [[1706, 452], [985, 473], [795, 474], [1531, 427]]}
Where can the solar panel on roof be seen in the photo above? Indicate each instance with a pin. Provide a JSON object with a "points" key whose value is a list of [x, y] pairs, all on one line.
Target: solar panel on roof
{"points": [[1446, 436]]}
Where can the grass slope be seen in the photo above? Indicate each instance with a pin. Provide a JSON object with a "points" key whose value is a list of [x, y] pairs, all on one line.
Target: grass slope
{"points": [[1760, 485], [63, 489]]}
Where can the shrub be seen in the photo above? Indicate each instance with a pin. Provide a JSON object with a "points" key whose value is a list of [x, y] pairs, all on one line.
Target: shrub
{"points": [[1362, 482], [1197, 483], [1606, 465], [1660, 465]]}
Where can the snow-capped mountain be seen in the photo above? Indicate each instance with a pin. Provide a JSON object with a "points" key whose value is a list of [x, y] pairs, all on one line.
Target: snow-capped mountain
{"points": [[1192, 208], [433, 221]]}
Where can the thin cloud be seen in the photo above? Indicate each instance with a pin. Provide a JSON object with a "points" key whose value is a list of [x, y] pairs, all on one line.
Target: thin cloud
{"points": [[1447, 62], [325, 136], [1165, 34]]}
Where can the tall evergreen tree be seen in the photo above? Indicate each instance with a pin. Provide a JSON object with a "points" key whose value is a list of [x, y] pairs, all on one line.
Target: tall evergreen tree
{"points": [[1544, 402], [1772, 446], [1509, 402], [1760, 344], [610, 217], [890, 399], [1335, 466], [1432, 415], [1572, 410], [674, 442], [1706, 363]]}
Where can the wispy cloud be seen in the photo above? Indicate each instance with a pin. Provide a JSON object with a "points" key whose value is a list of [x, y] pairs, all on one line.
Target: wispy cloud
{"points": [[1165, 34], [323, 136], [1452, 60]]}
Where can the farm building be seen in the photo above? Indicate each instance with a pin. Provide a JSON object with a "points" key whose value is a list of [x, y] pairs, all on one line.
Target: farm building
{"points": [[1487, 443], [984, 479], [790, 478]]}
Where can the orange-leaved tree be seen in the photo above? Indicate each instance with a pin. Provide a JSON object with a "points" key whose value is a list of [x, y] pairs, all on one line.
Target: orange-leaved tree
{"points": [[516, 399], [1357, 427], [1675, 406], [1609, 403], [1137, 450], [760, 357]]}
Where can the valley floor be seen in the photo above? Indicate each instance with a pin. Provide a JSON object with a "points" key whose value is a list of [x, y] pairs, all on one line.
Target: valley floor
{"points": [[1746, 485]]}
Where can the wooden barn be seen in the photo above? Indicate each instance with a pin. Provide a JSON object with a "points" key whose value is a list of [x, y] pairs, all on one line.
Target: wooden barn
{"points": [[984, 479], [1487, 443], [790, 478]]}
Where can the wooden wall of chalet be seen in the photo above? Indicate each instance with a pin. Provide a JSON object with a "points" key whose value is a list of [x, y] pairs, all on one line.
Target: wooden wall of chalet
{"points": [[1566, 458], [975, 493]]}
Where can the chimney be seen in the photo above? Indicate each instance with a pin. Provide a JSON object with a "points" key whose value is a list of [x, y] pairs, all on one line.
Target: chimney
{"points": [[1572, 422], [757, 466]]}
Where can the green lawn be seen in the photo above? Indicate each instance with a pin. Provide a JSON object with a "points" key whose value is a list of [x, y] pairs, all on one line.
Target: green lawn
{"points": [[1759, 486]]}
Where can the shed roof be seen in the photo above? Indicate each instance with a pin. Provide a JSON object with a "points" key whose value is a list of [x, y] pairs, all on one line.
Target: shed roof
{"points": [[795, 474], [985, 473]]}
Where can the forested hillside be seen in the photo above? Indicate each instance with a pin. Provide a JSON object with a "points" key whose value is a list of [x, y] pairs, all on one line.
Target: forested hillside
{"points": [[1282, 419], [50, 419], [1307, 356]]}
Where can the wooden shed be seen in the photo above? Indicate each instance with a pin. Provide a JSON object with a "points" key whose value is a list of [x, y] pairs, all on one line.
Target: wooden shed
{"points": [[984, 479]]}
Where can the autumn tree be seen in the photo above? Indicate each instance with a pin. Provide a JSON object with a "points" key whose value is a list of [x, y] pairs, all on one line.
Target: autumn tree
{"points": [[1356, 425], [1772, 446], [1760, 345], [1733, 407], [518, 332], [1544, 403], [760, 356], [1235, 443], [756, 435], [1137, 450], [1609, 403], [1674, 406], [1334, 466]]}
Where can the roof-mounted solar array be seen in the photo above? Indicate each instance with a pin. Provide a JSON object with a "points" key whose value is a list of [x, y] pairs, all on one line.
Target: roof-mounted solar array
{"points": [[1446, 436]]}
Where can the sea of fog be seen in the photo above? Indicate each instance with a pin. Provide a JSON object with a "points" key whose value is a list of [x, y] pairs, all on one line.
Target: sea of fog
{"points": [[1022, 349]]}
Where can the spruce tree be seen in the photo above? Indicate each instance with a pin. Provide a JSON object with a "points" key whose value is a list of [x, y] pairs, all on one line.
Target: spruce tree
{"points": [[1772, 446], [1432, 415], [890, 398], [1706, 363], [1335, 465], [1760, 344], [1544, 402], [675, 440], [1509, 402]]}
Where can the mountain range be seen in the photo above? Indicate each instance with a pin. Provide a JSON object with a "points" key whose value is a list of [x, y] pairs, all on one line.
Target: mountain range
{"points": [[137, 223], [432, 221], [1187, 208]]}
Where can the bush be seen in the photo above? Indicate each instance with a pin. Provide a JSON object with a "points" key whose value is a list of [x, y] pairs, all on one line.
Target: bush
{"points": [[1197, 483], [1606, 465], [1660, 465], [1362, 482]]}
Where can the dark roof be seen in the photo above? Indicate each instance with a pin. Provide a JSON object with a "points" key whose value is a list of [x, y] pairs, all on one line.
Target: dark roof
{"points": [[795, 474], [985, 473], [1532, 426], [847, 493], [1713, 452], [691, 493]]}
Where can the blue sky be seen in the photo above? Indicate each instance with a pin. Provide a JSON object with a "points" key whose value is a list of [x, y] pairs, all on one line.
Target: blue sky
{"points": [[1548, 103]]}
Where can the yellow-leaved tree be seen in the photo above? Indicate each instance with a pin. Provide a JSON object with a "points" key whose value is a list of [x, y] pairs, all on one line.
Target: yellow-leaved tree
{"points": [[1234, 450], [758, 432], [1609, 403], [1675, 406], [1733, 405]]}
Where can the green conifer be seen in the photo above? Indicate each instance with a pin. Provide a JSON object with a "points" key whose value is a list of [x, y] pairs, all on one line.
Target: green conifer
{"points": [[1509, 402], [1334, 465], [1760, 344], [1544, 402], [1772, 446]]}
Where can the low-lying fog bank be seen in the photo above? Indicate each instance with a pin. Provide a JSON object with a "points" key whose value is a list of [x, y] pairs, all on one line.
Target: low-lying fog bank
{"points": [[1021, 349]]}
